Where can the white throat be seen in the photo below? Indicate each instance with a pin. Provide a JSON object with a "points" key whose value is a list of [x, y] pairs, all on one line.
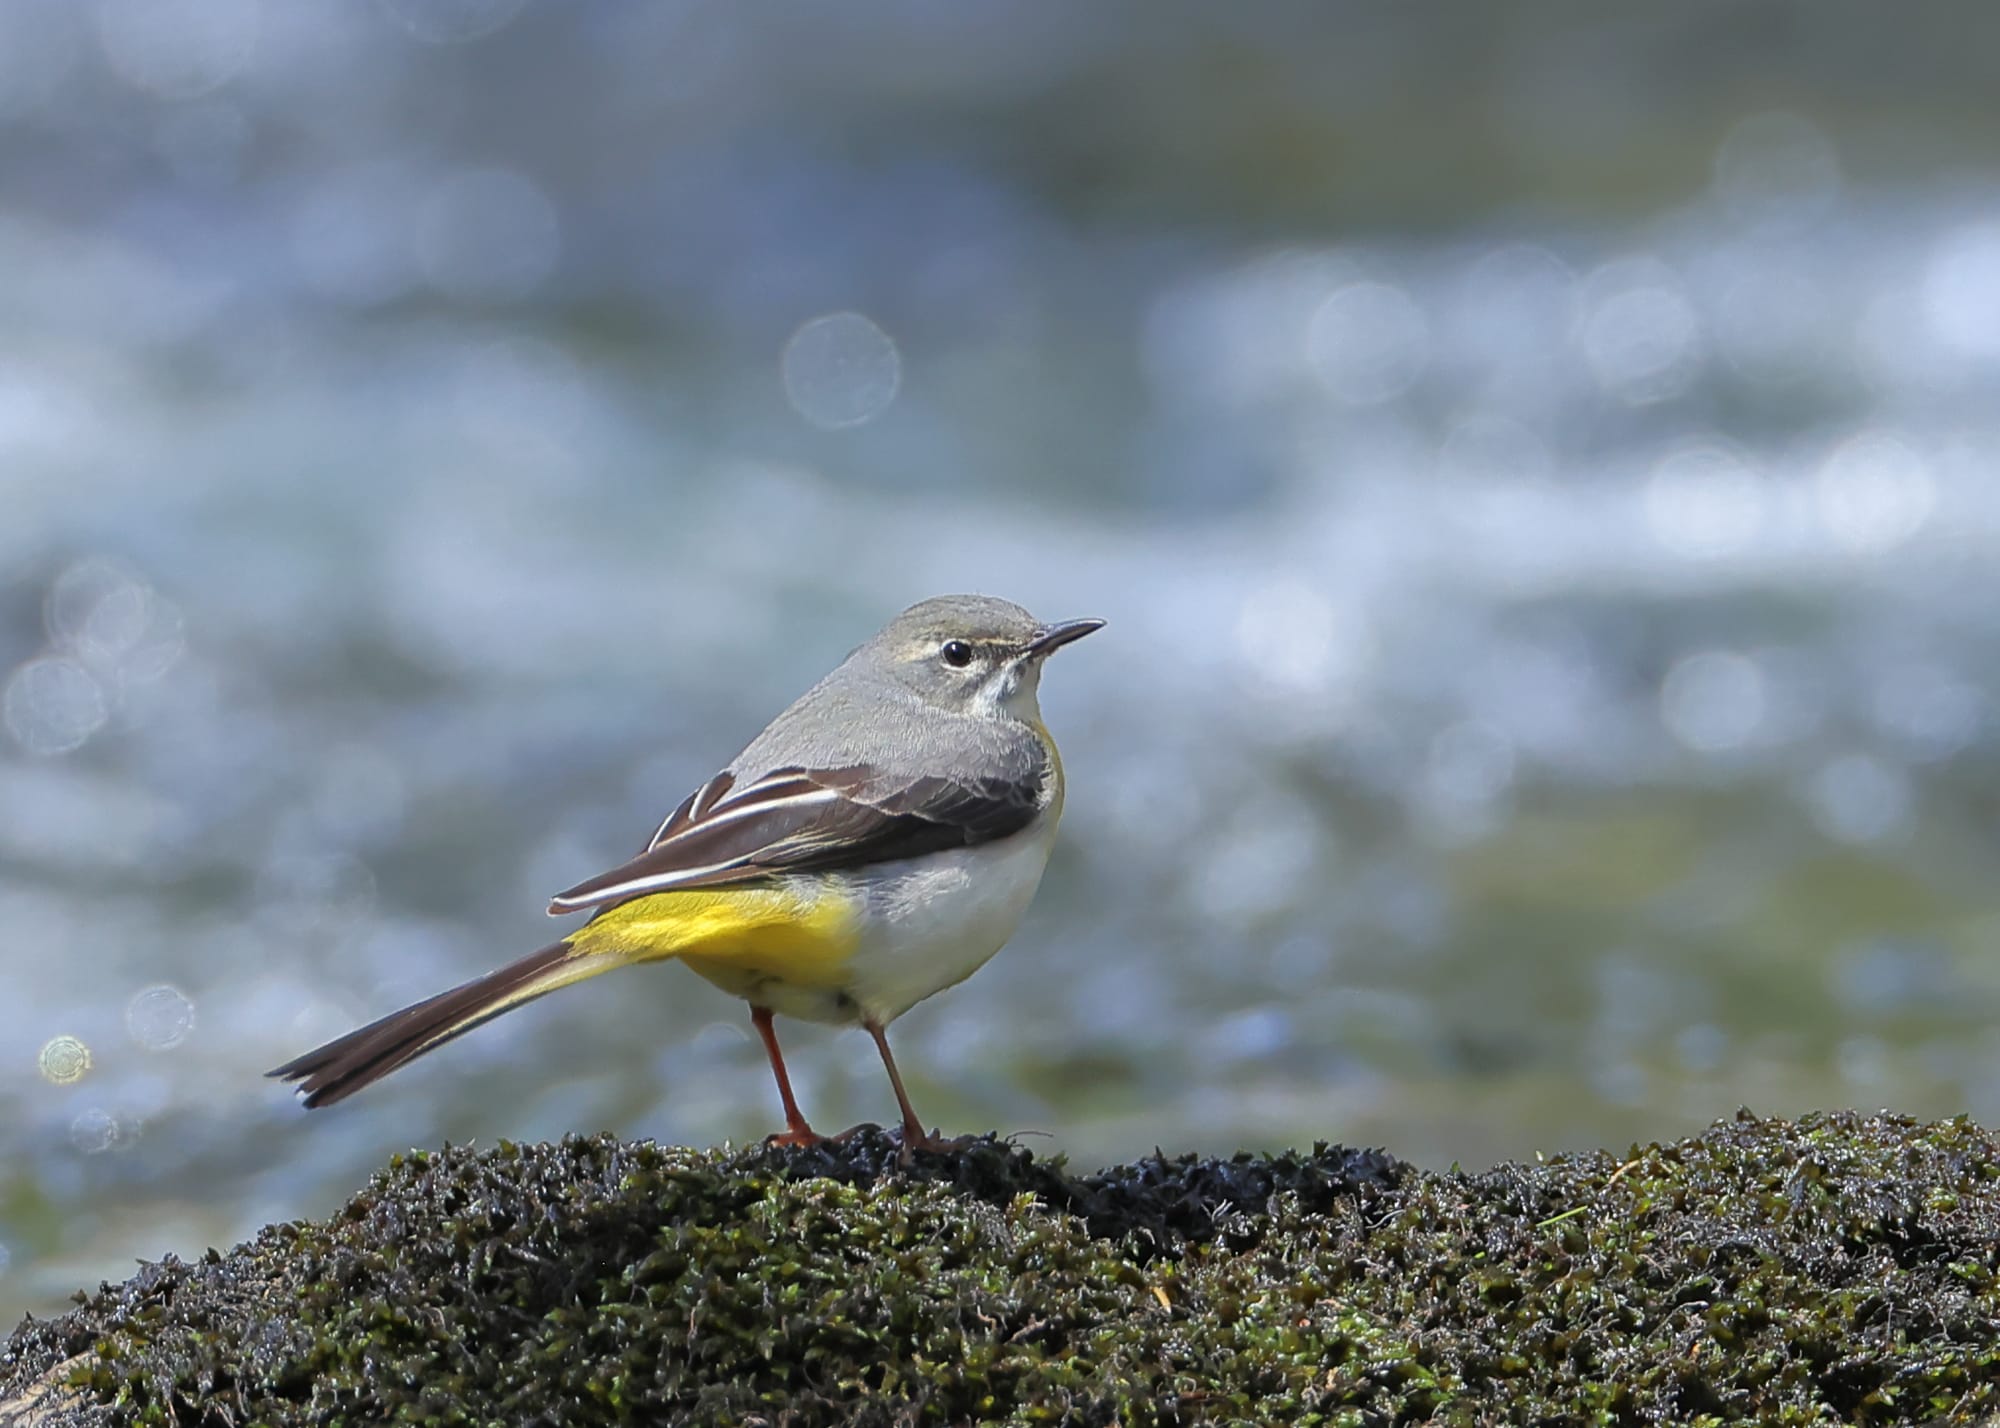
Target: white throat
{"points": [[1013, 692]]}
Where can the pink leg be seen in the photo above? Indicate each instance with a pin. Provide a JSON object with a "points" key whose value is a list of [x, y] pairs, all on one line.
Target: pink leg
{"points": [[913, 1129], [796, 1131]]}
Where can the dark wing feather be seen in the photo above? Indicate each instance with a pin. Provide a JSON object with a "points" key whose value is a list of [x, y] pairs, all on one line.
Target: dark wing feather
{"points": [[810, 820]]}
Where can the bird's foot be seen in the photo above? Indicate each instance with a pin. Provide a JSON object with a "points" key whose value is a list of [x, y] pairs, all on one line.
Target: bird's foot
{"points": [[916, 1138], [799, 1135], [908, 1141]]}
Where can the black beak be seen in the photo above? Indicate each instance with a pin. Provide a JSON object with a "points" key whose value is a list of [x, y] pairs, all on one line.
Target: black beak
{"points": [[1054, 637]]}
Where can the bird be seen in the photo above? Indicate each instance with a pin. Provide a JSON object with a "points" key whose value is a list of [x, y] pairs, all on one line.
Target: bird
{"points": [[877, 843]]}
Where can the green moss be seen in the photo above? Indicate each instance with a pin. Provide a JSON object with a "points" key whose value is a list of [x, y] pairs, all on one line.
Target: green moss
{"points": [[1833, 1270]]}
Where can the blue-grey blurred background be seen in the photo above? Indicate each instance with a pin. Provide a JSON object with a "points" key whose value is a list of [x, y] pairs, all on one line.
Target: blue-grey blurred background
{"points": [[1538, 462]]}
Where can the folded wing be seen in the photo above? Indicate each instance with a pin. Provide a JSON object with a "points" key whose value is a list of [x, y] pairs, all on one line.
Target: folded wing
{"points": [[805, 820]]}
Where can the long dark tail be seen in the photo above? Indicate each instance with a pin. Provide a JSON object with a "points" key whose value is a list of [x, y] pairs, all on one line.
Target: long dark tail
{"points": [[338, 1069]]}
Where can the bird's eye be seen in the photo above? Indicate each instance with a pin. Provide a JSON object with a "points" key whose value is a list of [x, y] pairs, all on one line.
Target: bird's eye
{"points": [[957, 653]]}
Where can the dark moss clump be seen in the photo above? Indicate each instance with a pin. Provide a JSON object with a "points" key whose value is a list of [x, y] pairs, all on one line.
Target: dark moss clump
{"points": [[1837, 1269]]}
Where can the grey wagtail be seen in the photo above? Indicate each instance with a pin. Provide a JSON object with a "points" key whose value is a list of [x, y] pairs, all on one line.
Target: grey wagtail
{"points": [[873, 846]]}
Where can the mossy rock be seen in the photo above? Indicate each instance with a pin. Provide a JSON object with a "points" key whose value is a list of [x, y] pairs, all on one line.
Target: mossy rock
{"points": [[1831, 1270]]}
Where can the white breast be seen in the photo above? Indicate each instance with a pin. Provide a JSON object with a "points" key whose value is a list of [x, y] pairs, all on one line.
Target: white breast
{"points": [[931, 922]]}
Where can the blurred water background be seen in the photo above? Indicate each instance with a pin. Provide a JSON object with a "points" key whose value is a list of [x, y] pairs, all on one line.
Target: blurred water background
{"points": [[1537, 462]]}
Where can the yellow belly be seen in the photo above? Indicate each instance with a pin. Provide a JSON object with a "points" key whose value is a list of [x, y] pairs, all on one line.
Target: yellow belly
{"points": [[866, 946], [801, 930]]}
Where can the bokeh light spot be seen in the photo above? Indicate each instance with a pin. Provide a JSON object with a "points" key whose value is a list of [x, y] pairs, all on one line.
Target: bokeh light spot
{"points": [[104, 612], [1295, 640], [1875, 492], [1368, 343], [1961, 291], [841, 370], [1640, 334], [1704, 500], [1861, 800], [1519, 298], [1238, 338], [1864, 1061], [1777, 172], [1701, 1046], [97, 607], [1713, 701], [177, 49], [351, 233], [53, 705], [1930, 710], [93, 1131], [64, 1060], [1775, 324], [159, 1018]]}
